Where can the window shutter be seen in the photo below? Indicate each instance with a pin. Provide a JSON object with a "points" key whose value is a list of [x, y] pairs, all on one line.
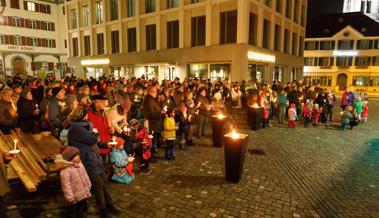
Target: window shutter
{"points": [[52, 26], [28, 41], [23, 40], [40, 42], [53, 43], [37, 6], [22, 22], [6, 39], [48, 9], [11, 40], [25, 5], [9, 21], [39, 24]]}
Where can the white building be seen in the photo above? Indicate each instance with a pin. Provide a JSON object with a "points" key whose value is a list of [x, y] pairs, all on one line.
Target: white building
{"points": [[368, 7], [32, 38]]}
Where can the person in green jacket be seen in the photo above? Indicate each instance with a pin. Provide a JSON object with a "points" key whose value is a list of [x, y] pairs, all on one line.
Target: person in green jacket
{"points": [[358, 105]]}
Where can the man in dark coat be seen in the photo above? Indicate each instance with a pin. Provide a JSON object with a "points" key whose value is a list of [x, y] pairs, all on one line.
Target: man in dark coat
{"points": [[153, 112]]}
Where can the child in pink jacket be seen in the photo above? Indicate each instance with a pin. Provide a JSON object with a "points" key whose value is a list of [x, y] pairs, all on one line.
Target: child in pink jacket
{"points": [[316, 114], [75, 182], [292, 116]]}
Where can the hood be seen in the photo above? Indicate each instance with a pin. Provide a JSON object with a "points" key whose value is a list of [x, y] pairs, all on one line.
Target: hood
{"points": [[292, 105]]}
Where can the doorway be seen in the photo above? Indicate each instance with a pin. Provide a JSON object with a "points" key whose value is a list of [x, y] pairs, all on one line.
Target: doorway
{"points": [[18, 65], [342, 81]]}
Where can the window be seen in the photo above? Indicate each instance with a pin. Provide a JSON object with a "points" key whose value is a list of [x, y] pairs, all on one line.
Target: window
{"points": [[344, 61], [16, 21], [267, 2], [132, 39], [172, 3], [2, 39], [99, 12], [198, 31], [75, 48], [33, 42], [15, 4], [228, 27], [286, 41], [279, 6], [43, 8], [115, 42], [49, 43], [277, 37], [302, 16], [17, 40], [363, 6], [363, 61], [151, 42], [361, 81], [85, 14], [114, 9], [294, 43], [375, 81], [131, 8], [266, 34], [73, 18], [196, 1], [323, 80], [364, 44], [253, 32], [368, 8], [31, 6], [32, 24], [311, 45], [149, 6], [309, 61], [289, 9], [173, 34], [345, 44], [327, 45], [87, 45], [325, 61], [301, 46], [100, 43], [47, 26], [296, 16]]}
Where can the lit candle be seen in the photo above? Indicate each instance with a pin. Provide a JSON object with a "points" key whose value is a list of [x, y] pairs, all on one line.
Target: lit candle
{"points": [[234, 134], [255, 105], [198, 105], [126, 129], [220, 116], [189, 118], [37, 107], [15, 144], [113, 138], [168, 101], [165, 108]]}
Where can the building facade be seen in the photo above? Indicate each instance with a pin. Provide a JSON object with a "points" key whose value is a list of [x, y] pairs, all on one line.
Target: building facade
{"points": [[31, 39], [368, 7], [236, 39], [342, 50]]}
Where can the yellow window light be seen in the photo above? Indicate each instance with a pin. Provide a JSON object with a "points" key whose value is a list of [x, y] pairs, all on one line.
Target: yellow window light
{"points": [[260, 57], [95, 62]]}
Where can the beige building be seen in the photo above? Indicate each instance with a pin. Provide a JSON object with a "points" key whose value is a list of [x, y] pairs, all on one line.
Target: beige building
{"points": [[237, 39], [31, 39], [342, 50]]}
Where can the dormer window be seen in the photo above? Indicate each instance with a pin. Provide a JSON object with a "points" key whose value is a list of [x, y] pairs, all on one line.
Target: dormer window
{"points": [[340, 19], [326, 31]]}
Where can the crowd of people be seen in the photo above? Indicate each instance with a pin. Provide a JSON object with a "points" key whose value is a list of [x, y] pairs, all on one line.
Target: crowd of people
{"points": [[107, 125]]}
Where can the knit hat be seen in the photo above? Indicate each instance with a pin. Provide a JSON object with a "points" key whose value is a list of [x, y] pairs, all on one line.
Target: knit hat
{"points": [[133, 122], [24, 92], [56, 90], [69, 153], [77, 114], [120, 142], [70, 99]]}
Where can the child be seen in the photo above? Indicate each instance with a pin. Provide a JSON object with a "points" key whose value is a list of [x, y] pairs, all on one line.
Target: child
{"points": [[346, 117], [146, 145], [169, 134], [364, 114], [292, 116], [122, 163], [76, 185], [282, 101], [316, 114], [308, 112], [181, 118], [266, 116], [358, 105]]}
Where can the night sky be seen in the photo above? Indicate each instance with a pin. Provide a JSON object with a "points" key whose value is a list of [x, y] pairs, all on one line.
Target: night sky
{"points": [[316, 7]]}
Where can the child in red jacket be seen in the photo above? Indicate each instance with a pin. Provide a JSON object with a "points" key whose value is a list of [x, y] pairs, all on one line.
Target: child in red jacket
{"points": [[316, 114], [308, 112], [146, 144], [364, 114]]}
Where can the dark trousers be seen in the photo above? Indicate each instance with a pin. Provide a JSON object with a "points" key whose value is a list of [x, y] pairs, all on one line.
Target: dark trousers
{"points": [[169, 148], [77, 210], [307, 121], [101, 190], [2, 207], [156, 141]]}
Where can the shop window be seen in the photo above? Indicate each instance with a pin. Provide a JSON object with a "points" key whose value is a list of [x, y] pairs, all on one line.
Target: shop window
{"points": [[228, 27], [257, 72], [361, 81], [198, 70], [219, 71], [151, 72], [277, 75], [376, 81], [169, 73]]}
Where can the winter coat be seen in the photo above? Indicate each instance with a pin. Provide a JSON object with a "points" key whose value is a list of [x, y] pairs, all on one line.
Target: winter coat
{"points": [[323, 102], [6, 118], [152, 112], [146, 143], [282, 99], [115, 119], [169, 128], [53, 110], [100, 122], [365, 111], [347, 98], [358, 105], [292, 114], [204, 105], [307, 111], [346, 117], [26, 118], [120, 161], [79, 136], [182, 120], [315, 115], [76, 185], [4, 186]]}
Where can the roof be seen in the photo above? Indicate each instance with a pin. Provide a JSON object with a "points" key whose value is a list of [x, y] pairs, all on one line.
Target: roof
{"points": [[325, 26]]}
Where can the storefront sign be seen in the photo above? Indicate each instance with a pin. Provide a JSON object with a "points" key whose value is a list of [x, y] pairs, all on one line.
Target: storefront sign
{"points": [[20, 48], [95, 62], [345, 53], [260, 57]]}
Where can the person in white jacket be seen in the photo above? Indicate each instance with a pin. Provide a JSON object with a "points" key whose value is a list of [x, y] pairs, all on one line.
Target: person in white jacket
{"points": [[236, 95], [117, 116]]}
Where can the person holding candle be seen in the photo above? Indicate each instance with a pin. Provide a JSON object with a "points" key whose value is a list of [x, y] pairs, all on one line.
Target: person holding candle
{"points": [[169, 134], [28, 114], [8, 112], [203, 110], [120, 160], [181, 117], [117, 117], [191, 111], [54, 108], [76, 185]]}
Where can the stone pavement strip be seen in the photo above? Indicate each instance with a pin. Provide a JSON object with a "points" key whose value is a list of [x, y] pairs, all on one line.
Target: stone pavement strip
{"points": [[314, 172]]}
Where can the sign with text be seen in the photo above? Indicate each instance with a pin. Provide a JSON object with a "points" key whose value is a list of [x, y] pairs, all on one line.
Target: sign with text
{"points": [[20, 48]]}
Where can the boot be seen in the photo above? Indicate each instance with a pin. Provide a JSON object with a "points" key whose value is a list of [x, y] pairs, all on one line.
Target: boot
{"points": [[104, 213], [114, 210]]}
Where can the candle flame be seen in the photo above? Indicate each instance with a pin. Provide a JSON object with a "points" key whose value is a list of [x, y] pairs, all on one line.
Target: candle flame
{"points": [[234, 134], [165, 108], [220, 116], [255, 105], [114, 138]]}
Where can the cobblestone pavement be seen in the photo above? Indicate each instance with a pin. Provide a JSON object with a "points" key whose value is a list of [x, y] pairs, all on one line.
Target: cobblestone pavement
{"points": [[314, 172]]}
